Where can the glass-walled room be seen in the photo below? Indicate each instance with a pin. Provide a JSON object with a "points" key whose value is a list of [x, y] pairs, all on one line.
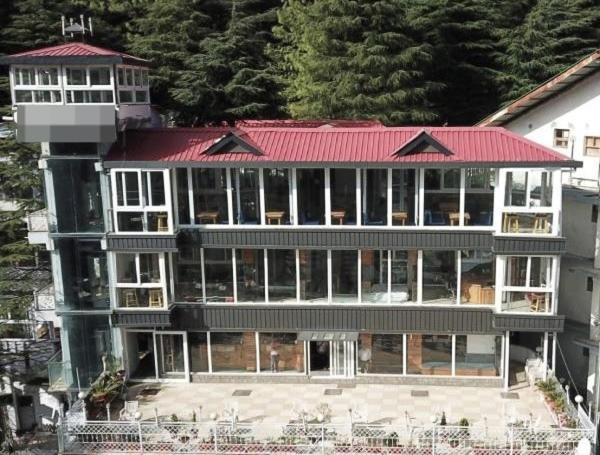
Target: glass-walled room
{"points": [[528, 284], [172, 355], [311, 196], [368, 276], [343, 196], [441, 197], [374, 196]]}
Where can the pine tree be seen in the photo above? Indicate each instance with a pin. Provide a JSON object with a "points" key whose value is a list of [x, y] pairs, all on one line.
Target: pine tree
{"points": [[231, 77], [348, 59], [170, 33], [466, 55], [554, 35]]}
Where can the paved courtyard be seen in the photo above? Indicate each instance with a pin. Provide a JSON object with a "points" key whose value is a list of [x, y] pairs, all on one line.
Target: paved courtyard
{"points": [[375, 403]]}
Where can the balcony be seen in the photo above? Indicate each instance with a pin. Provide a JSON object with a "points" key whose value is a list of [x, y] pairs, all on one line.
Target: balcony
{"points": [[60, 374], [38, 227]]}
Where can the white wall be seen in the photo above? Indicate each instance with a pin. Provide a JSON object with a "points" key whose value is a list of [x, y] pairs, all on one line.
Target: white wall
{"points": [[576, 109], [574, 301]]}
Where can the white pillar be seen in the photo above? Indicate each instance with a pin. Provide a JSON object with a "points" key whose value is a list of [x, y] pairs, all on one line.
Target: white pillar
{"points": [[261, 195], [359, 199], [506, 358], [327, 196], [389, 197], [545, 355]]}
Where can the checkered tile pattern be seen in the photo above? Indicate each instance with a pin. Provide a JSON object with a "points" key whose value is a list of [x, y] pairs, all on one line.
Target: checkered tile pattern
{"points": [[277, 403]]}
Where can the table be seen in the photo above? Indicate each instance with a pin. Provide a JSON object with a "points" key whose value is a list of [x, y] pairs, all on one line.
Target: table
{"points": [[210, 216], [338, 215], [274, 216], [454, 218], [402, 217]]}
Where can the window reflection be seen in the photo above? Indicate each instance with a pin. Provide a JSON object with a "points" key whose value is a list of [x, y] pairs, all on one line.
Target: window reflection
{"points": [[210, 196], [280, 353], [429, 354], [282, 275], [277, 196], [374, 276], [404, 197], [246, 200], [439, 277], [442, 197], [477, 277], [313, 275], [343, 196], [344, 274], [374, 197], [311, 196], [250, 275]]}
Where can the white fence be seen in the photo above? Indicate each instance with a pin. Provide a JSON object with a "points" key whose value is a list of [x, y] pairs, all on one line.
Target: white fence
{"points": [[208, 437]]}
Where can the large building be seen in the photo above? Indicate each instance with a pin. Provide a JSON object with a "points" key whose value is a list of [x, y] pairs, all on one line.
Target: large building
{"points": [[296, 251], [562, 114]]}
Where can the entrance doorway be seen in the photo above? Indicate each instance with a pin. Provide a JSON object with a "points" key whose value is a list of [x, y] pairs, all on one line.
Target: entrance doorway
{"points": [[332, 358], [319, 358], [171, 355]]}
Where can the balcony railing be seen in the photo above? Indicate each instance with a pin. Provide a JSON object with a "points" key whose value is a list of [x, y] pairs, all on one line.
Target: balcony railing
{"points": [[60, 373], [99, 437], [38, 221]]}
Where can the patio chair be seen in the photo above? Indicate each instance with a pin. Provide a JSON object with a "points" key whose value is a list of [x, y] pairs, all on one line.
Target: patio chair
{"points": [[434, 218], [130, 409]]}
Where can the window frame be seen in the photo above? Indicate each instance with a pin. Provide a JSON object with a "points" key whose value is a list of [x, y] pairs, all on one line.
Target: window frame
{"points": [[17, 86], [596, 146], [122, 83], [143, 206], [559, 140], [138, 284]]}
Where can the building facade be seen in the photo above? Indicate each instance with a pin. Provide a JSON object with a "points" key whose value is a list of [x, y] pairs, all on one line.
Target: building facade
{"points": [[562, 114], [300, 251]]}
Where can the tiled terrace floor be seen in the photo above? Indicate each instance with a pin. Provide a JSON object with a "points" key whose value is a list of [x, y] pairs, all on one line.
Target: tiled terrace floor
{"points": [[384, 403]]}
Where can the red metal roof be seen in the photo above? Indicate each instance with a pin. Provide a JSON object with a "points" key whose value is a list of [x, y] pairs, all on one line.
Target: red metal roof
{"points": [[332, 145], [71, 50]]}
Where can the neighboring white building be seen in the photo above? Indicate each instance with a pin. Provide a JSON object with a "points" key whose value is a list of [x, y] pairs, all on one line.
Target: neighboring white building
{"points": [[564, 114]]}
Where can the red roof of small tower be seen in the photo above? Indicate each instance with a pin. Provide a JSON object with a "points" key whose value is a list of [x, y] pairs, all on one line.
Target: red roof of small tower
{"points": [[73, 53]]}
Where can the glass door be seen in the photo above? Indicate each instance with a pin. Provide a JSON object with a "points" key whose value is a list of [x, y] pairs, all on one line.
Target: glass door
{"points": [[172, 359], [342, 359]]}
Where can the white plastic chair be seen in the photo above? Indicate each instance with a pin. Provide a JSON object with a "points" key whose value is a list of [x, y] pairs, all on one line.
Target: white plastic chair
{"points": [[129, 411]]}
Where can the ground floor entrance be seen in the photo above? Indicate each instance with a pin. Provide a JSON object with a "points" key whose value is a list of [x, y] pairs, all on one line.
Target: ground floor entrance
{"points": [[503, 359]]}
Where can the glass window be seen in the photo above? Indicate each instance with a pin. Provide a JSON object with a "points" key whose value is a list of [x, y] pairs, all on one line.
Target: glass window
{"points": [[311, 196], [210, 195], [183, 197], [477, 277], [188, 271], [541, 270], [429, 354], [380, 353], [526, 302], [343, 196], [516, 271], [76, 76], [516, 189], [141, 96], [24, 76], [47, 76], [125, 96], [246, 198], [141, 365], [78, 195], [131, 191], [439, 277], [85, 275], [121, 76], [137, 77], [561, 137], [130, 221], [404, 276], [313, 275], [277, 195], [404, 197], [344, 274], [479, 197], [592, 146], [218, 274], [374, 194], [156, 195], [144, 78], [233, 352], [23, 96], [149, 268], [198, 351], [374, 276], [129, 76], [281, 352], [250, 275], [282, 275], [442, 197], [126, 268], [478, 355], [540, 189], [100, 76]]}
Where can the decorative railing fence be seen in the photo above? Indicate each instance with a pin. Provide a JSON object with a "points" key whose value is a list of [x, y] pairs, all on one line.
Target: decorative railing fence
{"points": [[209, 437]]}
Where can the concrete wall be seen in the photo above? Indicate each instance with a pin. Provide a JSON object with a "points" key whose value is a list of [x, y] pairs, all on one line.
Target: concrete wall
{"points": [[575, 109], [578, 228], [574, 301]]}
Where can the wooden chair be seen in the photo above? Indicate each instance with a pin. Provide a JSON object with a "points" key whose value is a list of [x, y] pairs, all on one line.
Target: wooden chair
{"points": [[537, 302], [162, 225], [155, 298], [130, 298], [540, 224]]}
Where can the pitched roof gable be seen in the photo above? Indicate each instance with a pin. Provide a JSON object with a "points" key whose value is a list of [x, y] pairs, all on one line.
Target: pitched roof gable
{"points": [[232, 142], [422, 142]]}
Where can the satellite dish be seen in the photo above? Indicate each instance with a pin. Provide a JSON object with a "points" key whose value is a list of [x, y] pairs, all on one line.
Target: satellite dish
{"points": [[584, 447]]}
